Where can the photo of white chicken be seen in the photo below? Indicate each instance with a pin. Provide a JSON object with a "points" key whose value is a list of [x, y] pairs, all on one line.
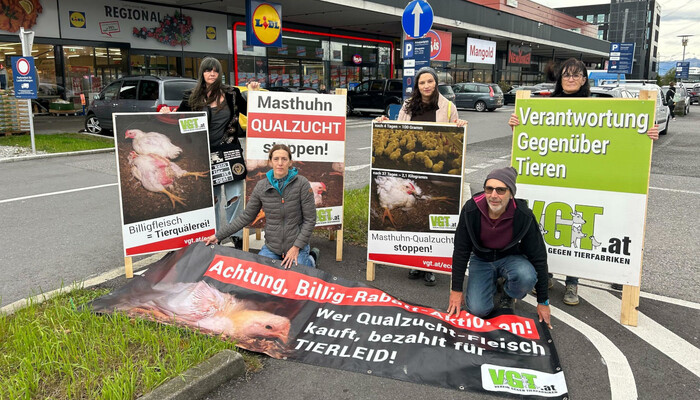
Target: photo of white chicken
{"points": [[202, 306], [157, 174], [399, 193], [319, 188], [152, 143]]}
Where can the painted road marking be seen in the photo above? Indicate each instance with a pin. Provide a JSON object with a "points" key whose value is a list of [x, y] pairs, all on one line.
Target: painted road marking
{"points": [[56, 193]]}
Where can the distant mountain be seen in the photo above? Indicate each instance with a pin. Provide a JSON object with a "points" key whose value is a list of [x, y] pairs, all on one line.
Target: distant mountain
{"points": [[664, 66]]}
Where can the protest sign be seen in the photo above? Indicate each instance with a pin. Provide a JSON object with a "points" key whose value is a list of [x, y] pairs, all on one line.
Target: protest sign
{"points": [[415, 194], [308, 315], [313, 126], [165, 186], [583, 165]]}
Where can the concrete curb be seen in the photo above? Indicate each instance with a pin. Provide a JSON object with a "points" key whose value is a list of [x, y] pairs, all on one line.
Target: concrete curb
{"points": [[53, 155], [198, 381]]}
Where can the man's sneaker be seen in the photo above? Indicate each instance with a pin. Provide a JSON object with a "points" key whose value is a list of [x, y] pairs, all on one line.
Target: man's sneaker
{"points": [[314, 253], [429, 278], [571, 295], [506, 302], [550, 284], [415, 274]]}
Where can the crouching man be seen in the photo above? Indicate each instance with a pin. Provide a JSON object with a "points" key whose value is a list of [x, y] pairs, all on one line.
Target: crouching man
{"points": [[504, 237]]}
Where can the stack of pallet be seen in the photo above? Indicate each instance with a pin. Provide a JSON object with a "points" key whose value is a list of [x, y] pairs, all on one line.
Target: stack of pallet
{"points": [[14, 115]]}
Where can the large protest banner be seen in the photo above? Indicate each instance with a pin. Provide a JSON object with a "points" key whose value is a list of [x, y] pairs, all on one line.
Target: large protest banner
{"points": [[313, 126], [165, 188], [583, 165], [415, 194], [309, 315]]}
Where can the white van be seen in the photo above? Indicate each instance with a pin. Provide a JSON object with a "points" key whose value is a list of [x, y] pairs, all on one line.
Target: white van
{"points": [[663, 113]]}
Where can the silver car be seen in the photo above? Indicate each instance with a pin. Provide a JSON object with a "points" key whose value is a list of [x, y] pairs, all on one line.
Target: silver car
{"points": [[134, 94], [479, 96]]}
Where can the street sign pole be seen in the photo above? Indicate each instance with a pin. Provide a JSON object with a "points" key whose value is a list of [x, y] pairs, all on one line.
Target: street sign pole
{"points": [[27, 39]]}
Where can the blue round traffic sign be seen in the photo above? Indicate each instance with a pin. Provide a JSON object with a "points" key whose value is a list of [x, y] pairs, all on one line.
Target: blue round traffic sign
{"points": [[417, 18]]}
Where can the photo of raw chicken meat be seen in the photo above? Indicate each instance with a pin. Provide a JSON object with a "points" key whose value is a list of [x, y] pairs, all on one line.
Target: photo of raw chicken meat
{"points": [[161, 171], [402, 201]]}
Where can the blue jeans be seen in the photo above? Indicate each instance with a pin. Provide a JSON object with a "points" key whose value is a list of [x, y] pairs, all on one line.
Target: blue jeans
{"points": [[518, 272], [303, 259], [232, 207]]}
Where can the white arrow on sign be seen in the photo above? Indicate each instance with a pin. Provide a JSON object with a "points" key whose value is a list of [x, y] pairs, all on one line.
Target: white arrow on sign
{"points": [[417, 11]]}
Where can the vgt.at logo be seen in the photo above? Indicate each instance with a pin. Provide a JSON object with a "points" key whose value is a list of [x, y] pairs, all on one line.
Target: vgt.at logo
{"points": [[498, 378]]}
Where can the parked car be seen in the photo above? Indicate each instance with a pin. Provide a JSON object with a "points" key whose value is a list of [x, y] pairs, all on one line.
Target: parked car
{"points": [[242, 119], [375, 96], [509, 96], [663, 113], [447, 92], [616, 92], [292, 89], [479, 96], [682, 99], [134, 94], [543, 90], [694, 92]]}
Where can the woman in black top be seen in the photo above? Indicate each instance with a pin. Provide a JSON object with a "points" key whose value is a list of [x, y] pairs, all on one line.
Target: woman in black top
{"points": [[222, 104]]}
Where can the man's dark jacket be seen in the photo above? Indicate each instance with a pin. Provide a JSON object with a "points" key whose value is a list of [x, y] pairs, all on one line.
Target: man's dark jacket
{"points": [[527, 241]]}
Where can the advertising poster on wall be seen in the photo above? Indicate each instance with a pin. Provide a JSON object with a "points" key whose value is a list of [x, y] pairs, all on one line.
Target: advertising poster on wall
{"points": [[310, 316], [415, 194], [313, 126], [583, 166], [165, 186]]}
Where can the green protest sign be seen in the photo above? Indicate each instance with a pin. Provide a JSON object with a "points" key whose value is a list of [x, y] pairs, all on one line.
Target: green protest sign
{"points": [[591, 144]]}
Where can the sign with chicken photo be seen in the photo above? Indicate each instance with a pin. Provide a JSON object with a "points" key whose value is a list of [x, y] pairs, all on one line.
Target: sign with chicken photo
{"points": [[164, 182], [313, 126], [415, 193]]}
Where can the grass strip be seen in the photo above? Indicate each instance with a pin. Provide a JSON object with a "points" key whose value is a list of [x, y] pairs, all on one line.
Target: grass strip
{"points": [[59, 143], [355, 216], [59, 350]]}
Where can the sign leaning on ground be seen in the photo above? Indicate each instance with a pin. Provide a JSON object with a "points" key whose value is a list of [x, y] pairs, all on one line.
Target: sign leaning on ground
{"points": [[583, 165], [415, 194], [313, 126], [165, 188]]}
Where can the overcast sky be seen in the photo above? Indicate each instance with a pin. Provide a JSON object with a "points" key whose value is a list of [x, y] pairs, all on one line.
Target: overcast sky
{"points": [[678, 17]]}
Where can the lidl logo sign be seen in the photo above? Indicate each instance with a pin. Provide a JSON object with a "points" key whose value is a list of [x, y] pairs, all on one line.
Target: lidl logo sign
{"points": [[264, 24], [77, 19], [498, 378], [211, 32]]}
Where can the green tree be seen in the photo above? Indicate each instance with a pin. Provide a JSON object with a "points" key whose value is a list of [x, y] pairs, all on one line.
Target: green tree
{"points": [[668, 77]]}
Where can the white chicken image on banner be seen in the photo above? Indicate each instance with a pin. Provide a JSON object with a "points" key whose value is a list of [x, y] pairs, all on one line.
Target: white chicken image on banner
{"points": [[415, 194], [164, 180]]}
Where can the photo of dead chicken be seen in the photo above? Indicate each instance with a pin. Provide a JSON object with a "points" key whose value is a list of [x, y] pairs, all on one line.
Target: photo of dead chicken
{"points": [[326, 179], [161, 171], [403, 201], [420, 148]]}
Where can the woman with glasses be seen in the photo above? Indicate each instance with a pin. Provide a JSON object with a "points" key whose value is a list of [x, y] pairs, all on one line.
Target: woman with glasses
{"points": [[572, 81]]}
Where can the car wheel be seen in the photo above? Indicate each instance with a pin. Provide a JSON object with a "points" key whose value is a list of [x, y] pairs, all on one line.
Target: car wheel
{"points": [[92, 124], [665, 131], [480, 106]]}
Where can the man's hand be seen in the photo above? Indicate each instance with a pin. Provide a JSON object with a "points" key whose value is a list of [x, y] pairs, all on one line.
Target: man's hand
{"points": [[211, 240], [290, 258], [544, 313], [456, 301], [253, 85], [653, 132], [513, 121]]}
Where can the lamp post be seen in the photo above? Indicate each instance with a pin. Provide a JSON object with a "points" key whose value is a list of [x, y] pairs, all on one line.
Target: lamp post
{"points": [[684, 42]]}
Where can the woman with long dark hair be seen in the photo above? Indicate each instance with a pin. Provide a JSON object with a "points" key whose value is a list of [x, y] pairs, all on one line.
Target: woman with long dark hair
{"points": [[571, 77], [222, 104]]}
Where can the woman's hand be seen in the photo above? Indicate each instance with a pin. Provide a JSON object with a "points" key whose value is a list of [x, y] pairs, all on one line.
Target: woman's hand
{"points": [[164, 110], [381, 118], [456, 301], [290, 258], [653, 132], [513, 121], [211, 240], [461, 123], [253, 85]]}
